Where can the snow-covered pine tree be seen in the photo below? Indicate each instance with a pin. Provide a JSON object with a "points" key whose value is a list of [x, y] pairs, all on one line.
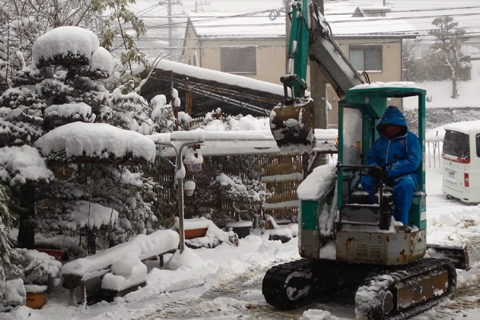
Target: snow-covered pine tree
{"points": [[449, 42], [23, 21], [130, 111], [62, 87]]}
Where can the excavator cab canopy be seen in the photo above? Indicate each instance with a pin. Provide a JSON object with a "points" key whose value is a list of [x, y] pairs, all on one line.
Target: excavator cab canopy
{"points": [[359, 113]]}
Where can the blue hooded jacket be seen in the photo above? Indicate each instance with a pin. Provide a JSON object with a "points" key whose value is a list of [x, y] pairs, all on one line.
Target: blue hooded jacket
{"points": [[405, 146]]}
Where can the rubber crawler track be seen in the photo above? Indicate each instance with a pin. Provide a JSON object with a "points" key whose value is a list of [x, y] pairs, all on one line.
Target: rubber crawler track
{"points": [[294, 284]]}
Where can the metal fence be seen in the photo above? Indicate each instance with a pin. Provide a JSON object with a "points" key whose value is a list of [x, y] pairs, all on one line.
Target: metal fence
{"points": [[433, 153]]}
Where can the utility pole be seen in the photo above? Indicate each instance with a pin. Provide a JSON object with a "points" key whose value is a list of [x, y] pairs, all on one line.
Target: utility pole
{"points": [[169, 4], [288, 8], [170, 21]]}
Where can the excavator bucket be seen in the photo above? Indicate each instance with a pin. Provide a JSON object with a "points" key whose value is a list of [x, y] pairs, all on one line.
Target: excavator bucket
{"points": [[457, 253], [292, 126]]}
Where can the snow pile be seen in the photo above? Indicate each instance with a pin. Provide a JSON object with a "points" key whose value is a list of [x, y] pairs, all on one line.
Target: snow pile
{"points": [[126, 273], [101, 140], [142, 246], [33, 288], [393, 84], [62, 41], [19, 164], [213, 236], [318, 183], [101, 61], [188, 259], [313, 314], [36, 266], [69, 46], [283, 232], [213, 75], [14, 295], [93, 215], [77, 111]]}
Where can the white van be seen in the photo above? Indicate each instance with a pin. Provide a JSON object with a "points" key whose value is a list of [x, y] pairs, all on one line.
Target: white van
{"points": [[461, 161]]}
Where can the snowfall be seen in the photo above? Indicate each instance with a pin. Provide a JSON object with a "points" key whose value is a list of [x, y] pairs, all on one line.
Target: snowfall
{"points": [[225, 282]]}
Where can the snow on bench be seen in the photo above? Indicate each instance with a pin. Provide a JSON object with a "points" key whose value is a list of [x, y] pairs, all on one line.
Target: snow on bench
{"points": [[280, 232], [202, 232], [143, 247]]}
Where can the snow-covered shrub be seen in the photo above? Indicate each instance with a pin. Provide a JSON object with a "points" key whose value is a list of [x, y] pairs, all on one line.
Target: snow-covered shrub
{"points": [[60, 114], [12, 294], [162, 114], [66, 46], [5, 243], [34, 267], [249, 192], [131, 111]]}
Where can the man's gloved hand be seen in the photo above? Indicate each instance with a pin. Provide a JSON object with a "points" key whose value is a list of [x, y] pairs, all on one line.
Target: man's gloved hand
{"points": [[377, 172]]}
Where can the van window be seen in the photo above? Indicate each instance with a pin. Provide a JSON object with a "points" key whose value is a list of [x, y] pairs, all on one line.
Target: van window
{"points": [[477, 139], [456, 145]]}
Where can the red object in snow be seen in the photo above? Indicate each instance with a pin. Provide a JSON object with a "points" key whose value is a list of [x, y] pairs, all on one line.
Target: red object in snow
{"points": [[56, 253]]}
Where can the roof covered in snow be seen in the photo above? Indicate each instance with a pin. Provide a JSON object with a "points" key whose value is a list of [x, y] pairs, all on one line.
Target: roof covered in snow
{"points": [[464, 126], [228, 25], [261, 25]]}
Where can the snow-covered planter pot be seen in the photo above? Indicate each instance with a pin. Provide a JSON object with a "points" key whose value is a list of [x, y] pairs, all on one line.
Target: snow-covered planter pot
{"points": [[241, 228], [35, 296], [29, 276], [36, 267]]}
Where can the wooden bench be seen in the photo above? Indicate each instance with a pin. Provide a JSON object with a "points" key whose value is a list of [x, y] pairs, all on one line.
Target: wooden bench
{"points": [[72, 281], [78, 272]]}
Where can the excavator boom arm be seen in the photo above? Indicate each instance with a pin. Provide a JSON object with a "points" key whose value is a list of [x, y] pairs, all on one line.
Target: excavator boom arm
{"points": [[325, 51], [292, 121]]}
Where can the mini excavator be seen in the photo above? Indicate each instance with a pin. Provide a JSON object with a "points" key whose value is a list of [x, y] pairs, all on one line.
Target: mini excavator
{"points": [[345, 241]]}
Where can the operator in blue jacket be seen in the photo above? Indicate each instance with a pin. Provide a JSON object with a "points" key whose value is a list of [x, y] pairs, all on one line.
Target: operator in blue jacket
{"points": [[398, 154]]}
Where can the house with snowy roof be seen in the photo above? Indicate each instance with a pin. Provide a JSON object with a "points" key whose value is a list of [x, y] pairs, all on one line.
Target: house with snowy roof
{"points": [[253, 45]]}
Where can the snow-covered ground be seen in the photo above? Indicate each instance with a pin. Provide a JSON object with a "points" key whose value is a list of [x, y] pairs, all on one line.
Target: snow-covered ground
{"points": [[438, 92], [225, 282]]}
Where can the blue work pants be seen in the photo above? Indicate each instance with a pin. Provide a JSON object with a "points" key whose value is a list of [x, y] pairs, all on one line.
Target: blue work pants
{"points": [[403, 189]]}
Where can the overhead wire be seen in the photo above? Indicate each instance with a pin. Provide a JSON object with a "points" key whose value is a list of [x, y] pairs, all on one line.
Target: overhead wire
{"points": [[257, 14]]}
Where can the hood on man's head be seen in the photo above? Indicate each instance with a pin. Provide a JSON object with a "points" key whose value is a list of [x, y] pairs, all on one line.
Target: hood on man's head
{"points": [[392, 115]]}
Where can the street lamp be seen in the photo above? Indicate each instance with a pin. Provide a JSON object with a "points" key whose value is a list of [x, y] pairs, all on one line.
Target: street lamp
{"points": [[179, 146]]}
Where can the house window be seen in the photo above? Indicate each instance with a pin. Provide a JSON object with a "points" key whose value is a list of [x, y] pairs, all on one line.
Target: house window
{"points": [[366, 58], [239, 59]]}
